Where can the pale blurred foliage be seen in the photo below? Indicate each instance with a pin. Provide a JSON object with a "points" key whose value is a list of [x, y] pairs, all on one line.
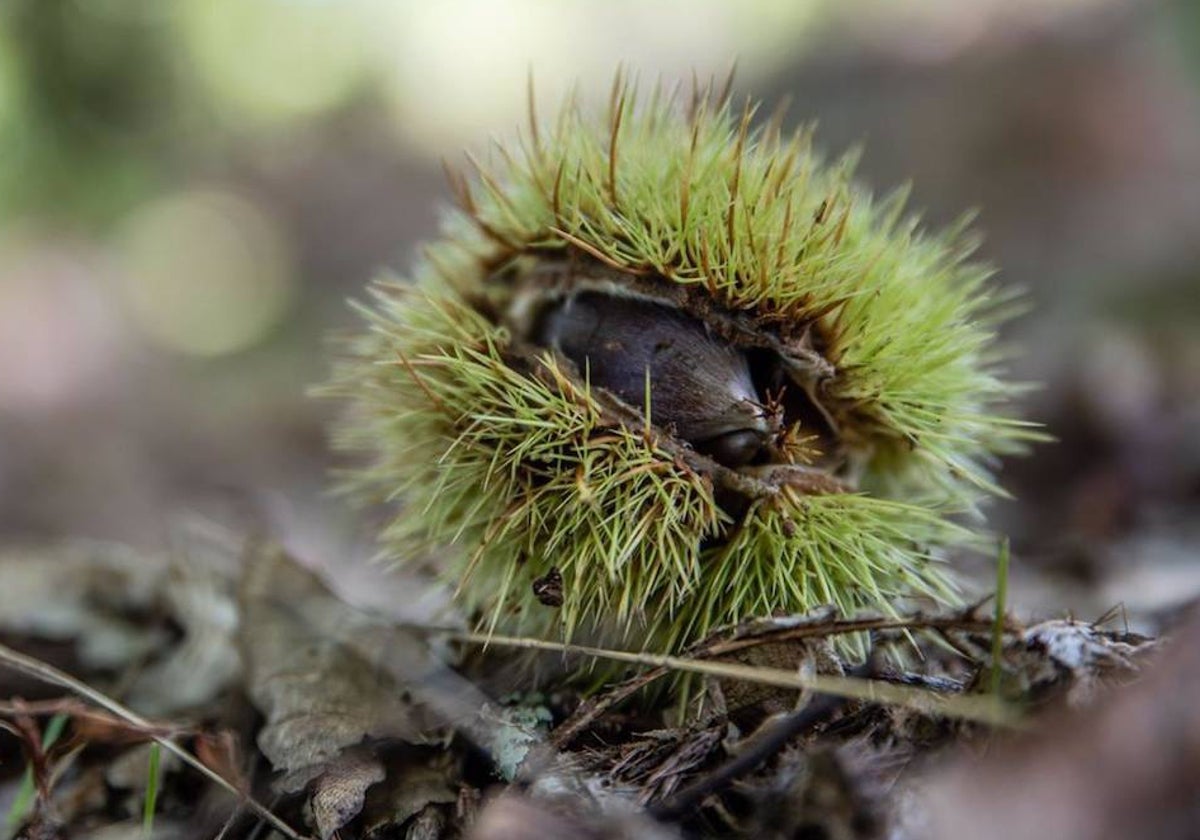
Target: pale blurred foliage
{"points": [[119, 118], [204, 272], [114, 111]]}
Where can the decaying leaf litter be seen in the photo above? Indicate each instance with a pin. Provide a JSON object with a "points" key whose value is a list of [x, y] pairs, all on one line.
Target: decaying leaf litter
{"points": [[334, 721], [342, 722]]}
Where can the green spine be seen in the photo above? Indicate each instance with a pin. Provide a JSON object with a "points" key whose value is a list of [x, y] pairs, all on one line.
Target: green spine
{"points": [[499, 459]]}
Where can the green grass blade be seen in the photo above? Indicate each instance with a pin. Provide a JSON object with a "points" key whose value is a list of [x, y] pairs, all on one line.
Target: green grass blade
{"points": [[151, 803], [23, 801]]}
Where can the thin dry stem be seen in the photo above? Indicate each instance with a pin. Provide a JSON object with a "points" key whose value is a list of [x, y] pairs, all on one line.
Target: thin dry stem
{"points": [[980, 709], [37, 669]]}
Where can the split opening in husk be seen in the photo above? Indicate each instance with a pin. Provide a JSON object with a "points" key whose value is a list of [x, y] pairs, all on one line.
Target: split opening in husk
{"points": [[736, 394]]}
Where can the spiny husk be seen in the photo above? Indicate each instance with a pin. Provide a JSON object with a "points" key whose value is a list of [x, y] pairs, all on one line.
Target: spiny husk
{"points": [[501, 458]]}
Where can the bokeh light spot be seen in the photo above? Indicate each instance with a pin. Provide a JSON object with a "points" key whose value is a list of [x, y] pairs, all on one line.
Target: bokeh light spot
{"points": [[474, 82], [206, 273], [60, 338], [269, 61]]}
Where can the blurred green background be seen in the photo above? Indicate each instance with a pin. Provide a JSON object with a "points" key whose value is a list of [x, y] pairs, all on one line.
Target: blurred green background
{"points": [[190, 190]]}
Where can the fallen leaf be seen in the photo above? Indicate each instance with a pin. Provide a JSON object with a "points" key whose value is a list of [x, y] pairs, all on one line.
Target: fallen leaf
{"points": [[318, 694], [412, 786], [337, 795], [84, 592], [200, 597], [112, 602], [1125, 767]]}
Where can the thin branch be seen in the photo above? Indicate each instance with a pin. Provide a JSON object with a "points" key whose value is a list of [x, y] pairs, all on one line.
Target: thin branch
{"points": [[589, 710], [841, 626], [82, 712], [819, 710]]}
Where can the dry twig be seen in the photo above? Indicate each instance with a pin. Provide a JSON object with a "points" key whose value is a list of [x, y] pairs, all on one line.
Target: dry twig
{"points": [[48, 673]]}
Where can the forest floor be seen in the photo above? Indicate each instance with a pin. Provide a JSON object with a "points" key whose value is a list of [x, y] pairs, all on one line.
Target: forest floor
{"points": [[265, 702]]}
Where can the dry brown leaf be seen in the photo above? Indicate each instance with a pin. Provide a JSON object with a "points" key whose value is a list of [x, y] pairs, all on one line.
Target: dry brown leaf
{"points": [[1071, 659], [318, 693], [338, 795], [111, 601], [1127, 767], [84, 592], [199, 594], [412, 786], [329, 677]]}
